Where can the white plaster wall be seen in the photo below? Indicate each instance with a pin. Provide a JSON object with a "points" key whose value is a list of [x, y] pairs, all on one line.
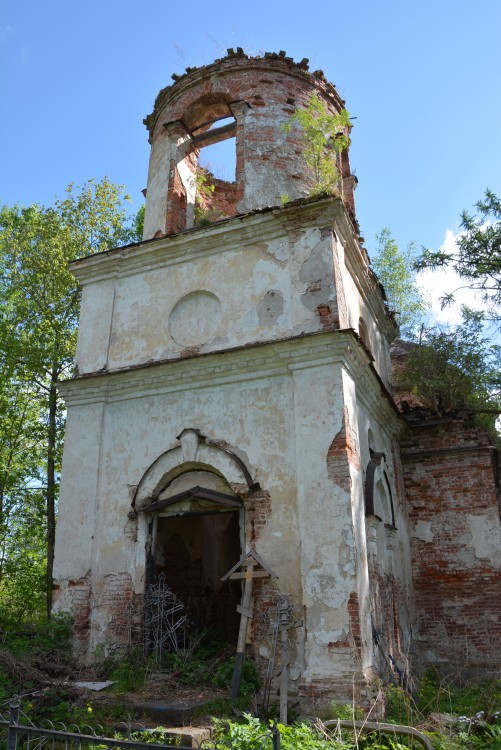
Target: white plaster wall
{"points": [[393, 547], [267, 290], [79, 489], [279, 405], [353, 270], [280, 411], [325, 524], [96, 309], [155, 216]]}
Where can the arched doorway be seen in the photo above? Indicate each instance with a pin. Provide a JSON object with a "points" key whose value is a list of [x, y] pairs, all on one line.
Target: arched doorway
{"points": [[193, 552], [194, 539], [193, 528]]}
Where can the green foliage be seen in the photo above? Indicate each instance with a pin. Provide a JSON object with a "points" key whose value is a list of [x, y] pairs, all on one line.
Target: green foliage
{"points": [[129, 671], [457, 700], [207, 665], [456, 371], [249, 680], [128, 668], [324, 136], [138, 224], [204, 190], [400, 707], [39, 304], [23, 646], [158, 736], [249, 733], [48, 638], [444, 695], [477, 259], [394, 269], [347, 712], [210, 665]]}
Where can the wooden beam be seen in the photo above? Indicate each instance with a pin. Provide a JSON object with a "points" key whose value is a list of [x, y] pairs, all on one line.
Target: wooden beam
{"points": [[215, 135]]}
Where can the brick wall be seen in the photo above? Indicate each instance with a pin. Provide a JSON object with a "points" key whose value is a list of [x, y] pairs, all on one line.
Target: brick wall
{"points": [[451, 486], [219, 204], [261, 93]]}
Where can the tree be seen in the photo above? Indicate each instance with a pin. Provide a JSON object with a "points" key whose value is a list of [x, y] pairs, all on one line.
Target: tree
{"points": [[323, 136], [477, 259], [39, 306], [138, 224], [22, 524], [394, 268], [456, 371]]}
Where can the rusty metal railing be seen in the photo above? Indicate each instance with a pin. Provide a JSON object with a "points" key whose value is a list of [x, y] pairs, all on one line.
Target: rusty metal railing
{"points": [[17, 732]]}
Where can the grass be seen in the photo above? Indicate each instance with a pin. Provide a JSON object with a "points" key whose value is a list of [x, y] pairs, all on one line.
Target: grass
{"points": [[445, 708]]}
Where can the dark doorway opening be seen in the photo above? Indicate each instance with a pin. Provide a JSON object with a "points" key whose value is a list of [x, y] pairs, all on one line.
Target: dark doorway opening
{"points": [[194, 551]]}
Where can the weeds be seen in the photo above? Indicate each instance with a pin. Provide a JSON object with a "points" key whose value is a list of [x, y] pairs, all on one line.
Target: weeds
{"points": [[48, 639]]}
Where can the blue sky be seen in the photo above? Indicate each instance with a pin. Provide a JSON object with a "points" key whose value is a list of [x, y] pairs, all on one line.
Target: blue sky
{"points": [[422, 79]]}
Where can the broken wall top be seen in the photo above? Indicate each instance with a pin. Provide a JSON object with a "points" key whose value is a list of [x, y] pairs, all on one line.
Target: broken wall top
{"points": [[234, 62], [256, 97]]}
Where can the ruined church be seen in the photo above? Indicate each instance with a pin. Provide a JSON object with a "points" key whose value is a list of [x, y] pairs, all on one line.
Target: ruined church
{"points": [[233, 393]]}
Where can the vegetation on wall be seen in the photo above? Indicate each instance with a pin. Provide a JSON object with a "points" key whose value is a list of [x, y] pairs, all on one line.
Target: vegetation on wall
{"points": [[204, 189], [451, 370], [456, 372], [323, 137]]}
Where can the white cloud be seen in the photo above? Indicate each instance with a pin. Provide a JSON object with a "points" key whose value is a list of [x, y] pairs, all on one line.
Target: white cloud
{"points": [[434, 284]]}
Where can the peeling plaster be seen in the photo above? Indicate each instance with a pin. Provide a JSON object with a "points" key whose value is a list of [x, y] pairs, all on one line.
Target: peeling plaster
{"points": [[271, 307], [423, 531], [485, 538]]}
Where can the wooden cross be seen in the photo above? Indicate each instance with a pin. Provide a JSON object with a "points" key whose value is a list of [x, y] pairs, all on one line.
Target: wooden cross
{"points": [[251, 566]]}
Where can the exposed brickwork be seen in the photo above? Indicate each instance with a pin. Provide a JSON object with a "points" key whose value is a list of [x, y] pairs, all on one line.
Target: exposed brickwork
{"points": [[264, 599], [456, 543], [386, 632], [354, 614], [117, 593], [261, 94], [81, 594], [328, 318], [220, 203], [258, 507], [318, 696], [342, 453]]}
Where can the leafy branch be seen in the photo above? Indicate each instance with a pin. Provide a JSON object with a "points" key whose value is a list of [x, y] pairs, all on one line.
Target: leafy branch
{"points": [[477, 258], [324, 136]]}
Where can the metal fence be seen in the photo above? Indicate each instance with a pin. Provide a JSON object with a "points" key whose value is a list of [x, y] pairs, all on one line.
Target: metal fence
{"points": [[17, 732]]}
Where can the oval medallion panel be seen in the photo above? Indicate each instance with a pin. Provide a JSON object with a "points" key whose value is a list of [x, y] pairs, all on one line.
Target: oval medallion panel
{"points": [[194, 320]]}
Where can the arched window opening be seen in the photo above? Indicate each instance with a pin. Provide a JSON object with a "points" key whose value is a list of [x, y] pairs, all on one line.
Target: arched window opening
{"points": [[216, 186], [382, 503]]}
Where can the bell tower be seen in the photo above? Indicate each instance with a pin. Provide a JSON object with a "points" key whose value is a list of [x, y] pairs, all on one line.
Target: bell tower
{"points": [[258, 96], [232, 394]]}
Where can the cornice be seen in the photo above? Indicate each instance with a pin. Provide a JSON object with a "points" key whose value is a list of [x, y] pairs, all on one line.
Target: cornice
{"points": [[264, 360], [358, 264], [240, 231]]}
